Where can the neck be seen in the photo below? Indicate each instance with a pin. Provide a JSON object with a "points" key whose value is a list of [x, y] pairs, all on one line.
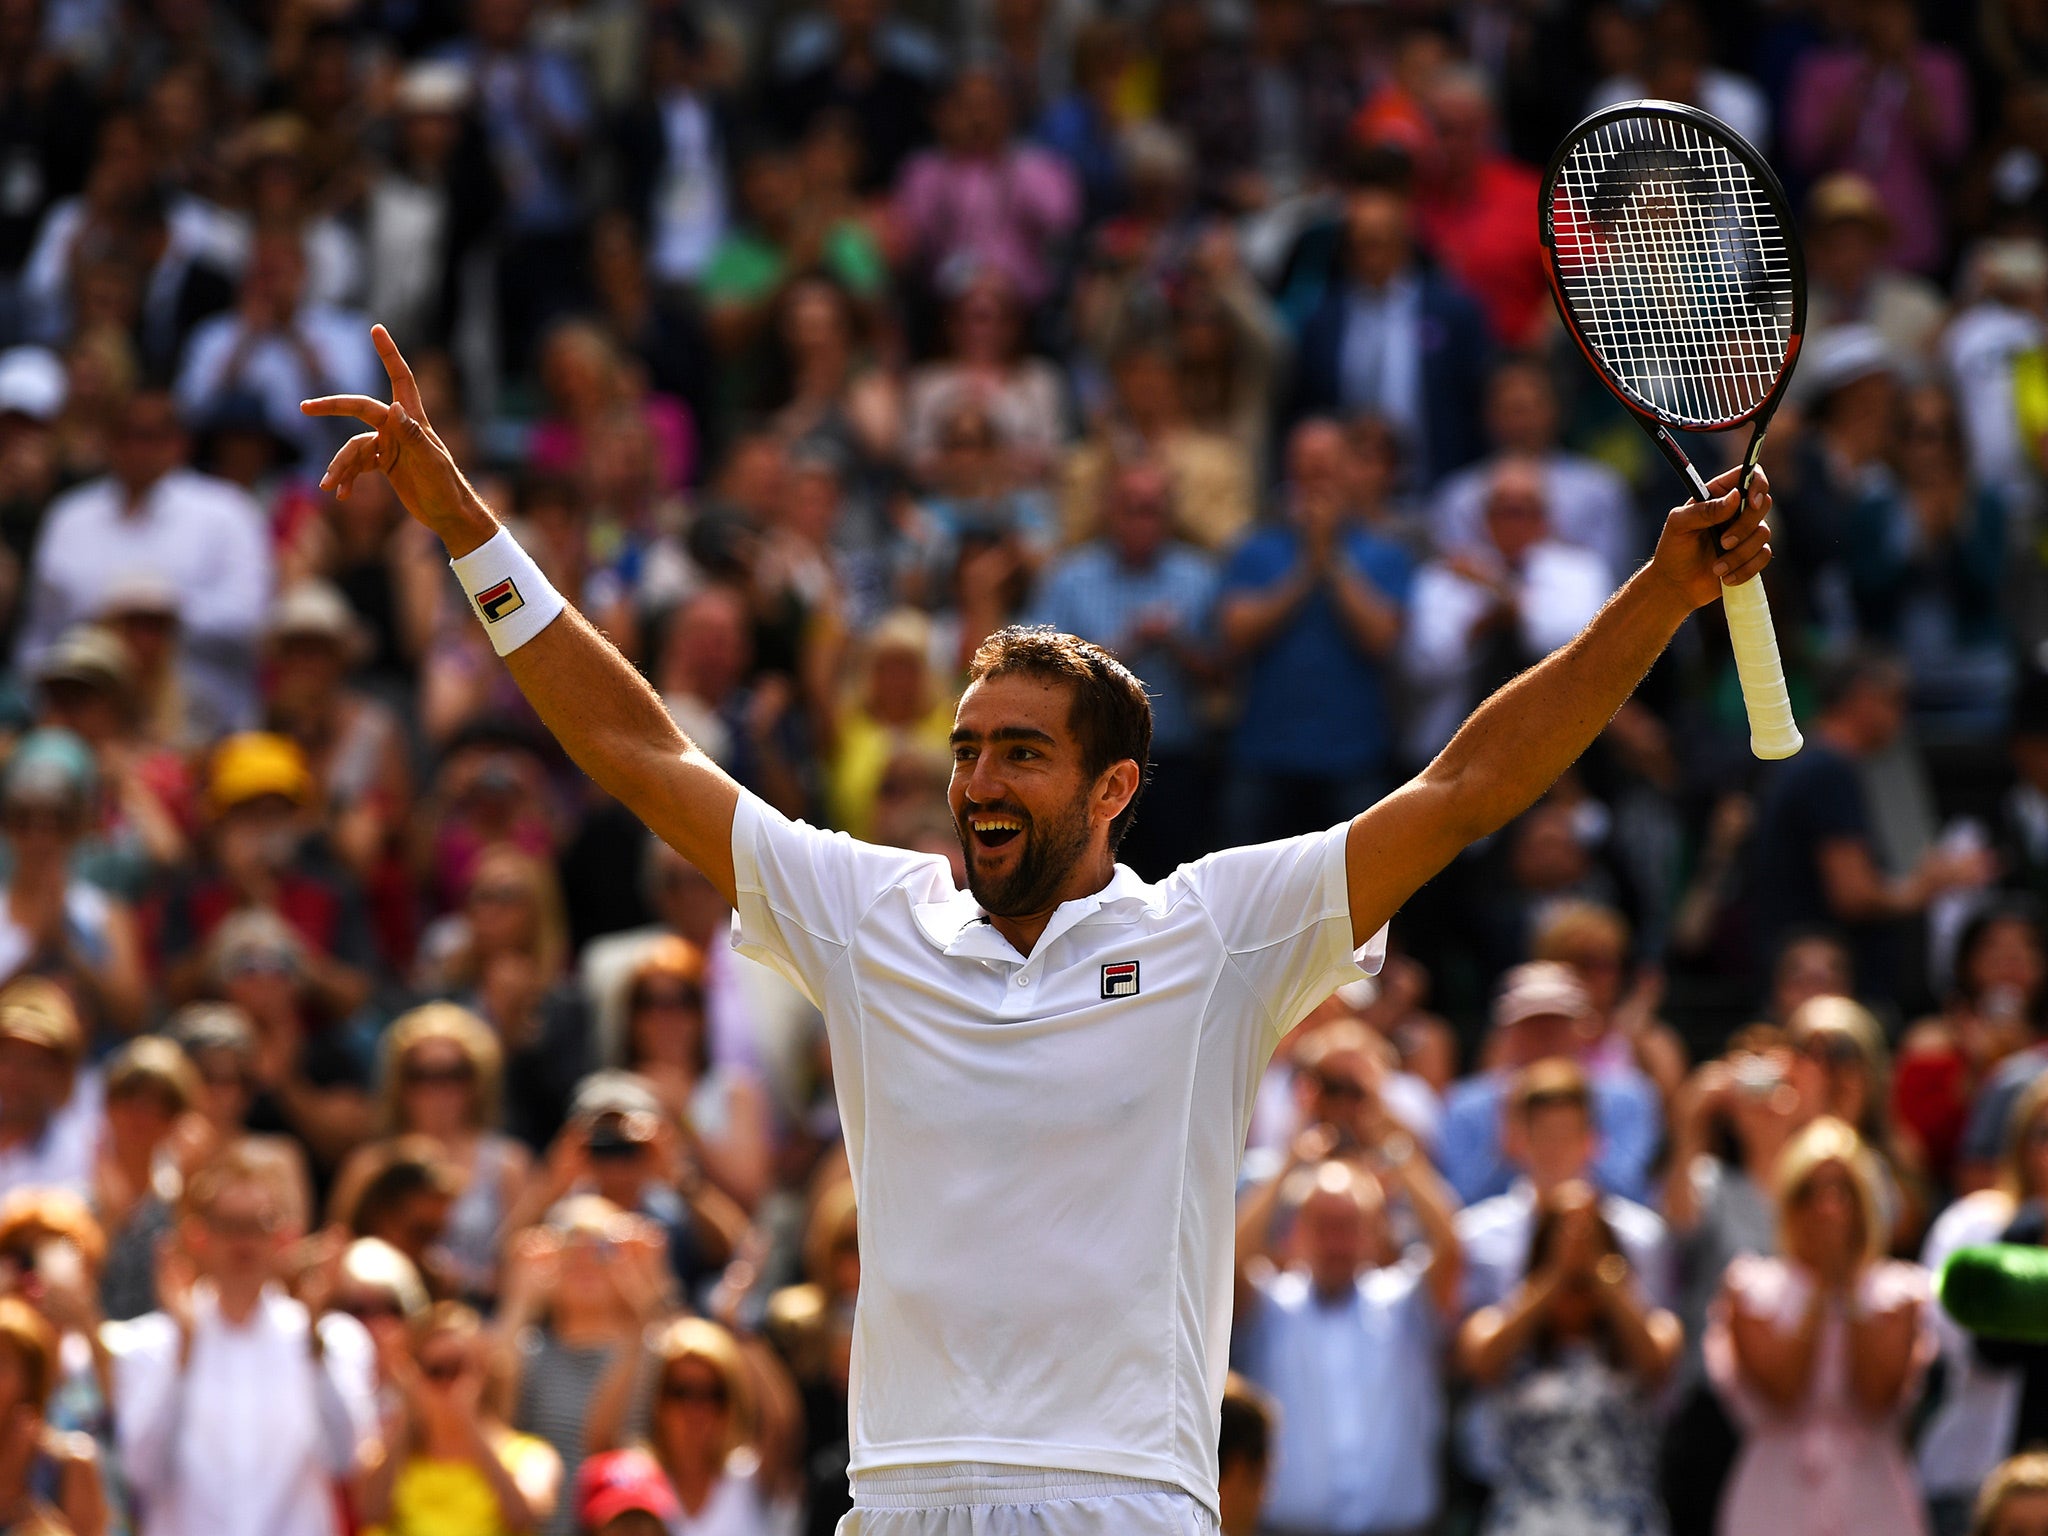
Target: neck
{"points": [[238, 1299], [1089, 877]]}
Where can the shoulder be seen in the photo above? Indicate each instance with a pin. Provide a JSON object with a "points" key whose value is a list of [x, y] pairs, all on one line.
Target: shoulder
{"points": [[1260, 550], [88, 501], [1472, 1097], [1981, 1217], [1632, 1222], [1492, 1216]]}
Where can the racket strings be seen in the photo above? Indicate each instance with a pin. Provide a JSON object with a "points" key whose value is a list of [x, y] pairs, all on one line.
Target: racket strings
{"points": [[1675, 265]]}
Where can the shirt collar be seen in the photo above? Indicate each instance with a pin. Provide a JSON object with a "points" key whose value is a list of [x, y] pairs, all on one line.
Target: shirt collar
{"points": [[958, 926]]}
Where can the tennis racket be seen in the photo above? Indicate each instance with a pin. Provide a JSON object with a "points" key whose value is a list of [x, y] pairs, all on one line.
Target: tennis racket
{"points": [[1675, 264]]}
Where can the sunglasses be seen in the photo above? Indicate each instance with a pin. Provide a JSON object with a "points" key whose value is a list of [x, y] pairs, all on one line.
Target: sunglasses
{"points": [[365, 1309], [691, 1392], [684, 997], [442, 1372], [450, 1073], [504, 894], [1338, 1087]]}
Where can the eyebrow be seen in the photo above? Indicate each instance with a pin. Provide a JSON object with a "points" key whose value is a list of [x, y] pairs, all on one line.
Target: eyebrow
{"points": [[1004, 733]]}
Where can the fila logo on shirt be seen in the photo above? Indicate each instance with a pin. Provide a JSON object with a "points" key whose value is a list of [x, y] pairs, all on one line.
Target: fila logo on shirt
{"points": [[500, 600], [1121, 979]]}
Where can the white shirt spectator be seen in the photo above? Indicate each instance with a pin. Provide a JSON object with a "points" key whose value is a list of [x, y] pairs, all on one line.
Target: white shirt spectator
{"points": [[62, 1158], [1359, 1389], [1559, 590], [1589, 505], [201, 536], [1495, 1236], [248, 1438], [1979, 350], [1972, 1430], [277, 372], [1735, 99], [1044, 1148]]}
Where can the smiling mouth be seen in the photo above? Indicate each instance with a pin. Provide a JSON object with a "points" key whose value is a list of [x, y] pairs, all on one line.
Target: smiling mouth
{"points": [[994, 830]]}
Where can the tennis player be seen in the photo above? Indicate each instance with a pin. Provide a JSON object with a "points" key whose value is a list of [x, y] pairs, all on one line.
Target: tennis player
{"points": [[1045, 1080]]}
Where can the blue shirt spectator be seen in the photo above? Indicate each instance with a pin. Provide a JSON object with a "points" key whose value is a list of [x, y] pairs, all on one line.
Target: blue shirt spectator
{"points": [[1540, 1014], [1312, 609]]}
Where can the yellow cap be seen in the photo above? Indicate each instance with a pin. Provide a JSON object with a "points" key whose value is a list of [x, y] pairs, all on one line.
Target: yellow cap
{"points": [[258, 763]]}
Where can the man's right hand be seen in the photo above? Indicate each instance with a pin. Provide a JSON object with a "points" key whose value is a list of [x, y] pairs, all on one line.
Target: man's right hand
{"points": [[403, 444]]}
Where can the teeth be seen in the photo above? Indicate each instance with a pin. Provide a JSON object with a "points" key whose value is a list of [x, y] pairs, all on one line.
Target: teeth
{"points": [[997, 824]]}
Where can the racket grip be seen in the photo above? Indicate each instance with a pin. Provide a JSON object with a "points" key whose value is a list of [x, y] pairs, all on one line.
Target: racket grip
{"points": [[1772, 733]]}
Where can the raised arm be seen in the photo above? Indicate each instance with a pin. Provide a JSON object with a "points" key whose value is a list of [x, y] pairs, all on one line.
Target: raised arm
{"points": [[1516, 744], [600, 709]]}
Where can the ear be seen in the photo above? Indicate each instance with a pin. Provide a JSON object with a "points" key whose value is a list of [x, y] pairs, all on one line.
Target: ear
{"points": [[1117, 788]]}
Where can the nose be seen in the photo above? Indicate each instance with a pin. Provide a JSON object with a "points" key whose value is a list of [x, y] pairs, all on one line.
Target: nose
{"points": [[985, 782]]}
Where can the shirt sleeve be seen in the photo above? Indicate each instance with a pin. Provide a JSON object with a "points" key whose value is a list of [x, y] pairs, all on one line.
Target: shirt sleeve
{"points": [[149, 1393], [1283, 912], [802, 892]]}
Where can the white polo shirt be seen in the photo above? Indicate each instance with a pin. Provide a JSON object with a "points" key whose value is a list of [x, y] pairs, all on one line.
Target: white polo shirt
{"points": [[1045, 1149]]}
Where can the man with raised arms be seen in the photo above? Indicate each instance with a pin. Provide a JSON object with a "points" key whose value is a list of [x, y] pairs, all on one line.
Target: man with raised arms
{"points": [[1045, 1080]]}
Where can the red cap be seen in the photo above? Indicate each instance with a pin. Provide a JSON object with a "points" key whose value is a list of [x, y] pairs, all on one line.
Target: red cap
{"points": [[610, 1485]]}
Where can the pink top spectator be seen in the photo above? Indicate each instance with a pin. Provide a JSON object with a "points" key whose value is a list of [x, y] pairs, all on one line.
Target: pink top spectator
{"points": [[1006, 212], [556, 446], [1849, 113], [1826, 1468]]}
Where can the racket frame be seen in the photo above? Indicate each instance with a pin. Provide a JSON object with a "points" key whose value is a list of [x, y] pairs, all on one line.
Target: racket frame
{"points": [[1659, 429]]}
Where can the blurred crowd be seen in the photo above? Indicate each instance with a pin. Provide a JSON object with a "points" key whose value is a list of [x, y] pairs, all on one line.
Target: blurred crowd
{"points": [[390, 1139]]}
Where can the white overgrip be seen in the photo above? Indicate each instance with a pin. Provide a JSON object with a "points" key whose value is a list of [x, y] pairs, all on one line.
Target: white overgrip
{"points": [[1772, 732]]}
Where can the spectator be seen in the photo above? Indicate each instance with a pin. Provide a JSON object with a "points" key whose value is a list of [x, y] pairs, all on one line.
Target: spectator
{"points": [[1817, 1353], [1476, 214], [153, 1135], [442, 1078], [537, 117], [153, 516], [1542, 1012], [50, 1480], [1678, 65], [1395, 338], [1594, 942], [1896, 110], [50, 1109], [1357, 1448], [873, 67], [623, 1493], [1243, 1456], [1589, 504], [1574, 1357], [237, 1406], [1312, 610], [705, 1430], [427, 211], [721, 1108], [900, 705], [1848, 230], [1977, 1419], [672, 143], [278, 346], [1485, 614], [983, 198], [1993, 1010], [1839, 1068], [2015, 1496], [586, 381], [986, 363], [576, 1293], [52, 923], [2002, 298], [1146, 596], [1550, 1139], [448, 1462], [265, 857], [1816, 863], [1212, 476]]}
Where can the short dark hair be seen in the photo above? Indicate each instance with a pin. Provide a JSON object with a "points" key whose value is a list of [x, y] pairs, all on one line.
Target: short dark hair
{"points": [[1247, 1430], [1862, 666], [1111, 715]]}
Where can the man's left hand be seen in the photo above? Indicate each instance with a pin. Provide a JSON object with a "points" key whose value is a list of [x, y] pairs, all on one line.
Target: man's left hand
{"points": [[1696, 560]]}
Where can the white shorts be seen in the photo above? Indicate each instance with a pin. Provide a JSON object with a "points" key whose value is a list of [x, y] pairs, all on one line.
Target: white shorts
{"points": [[971, 1498]]}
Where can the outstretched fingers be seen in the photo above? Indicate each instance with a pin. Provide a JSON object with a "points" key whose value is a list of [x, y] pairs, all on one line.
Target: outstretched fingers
{"points": [[405, 389], [358, 456], [362, 407]]}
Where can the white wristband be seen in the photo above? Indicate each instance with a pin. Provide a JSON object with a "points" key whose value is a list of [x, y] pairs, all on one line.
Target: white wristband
{"points": [[512, 599]]}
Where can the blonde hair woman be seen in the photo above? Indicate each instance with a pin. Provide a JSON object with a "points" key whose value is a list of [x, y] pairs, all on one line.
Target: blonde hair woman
{"points": [[1840, 1067], [442, 1078], [896, 703], [1816, 1354]]}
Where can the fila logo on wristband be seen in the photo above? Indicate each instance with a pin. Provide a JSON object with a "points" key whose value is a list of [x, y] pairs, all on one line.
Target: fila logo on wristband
{"points": [[495, 602], [1121, 979]]}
